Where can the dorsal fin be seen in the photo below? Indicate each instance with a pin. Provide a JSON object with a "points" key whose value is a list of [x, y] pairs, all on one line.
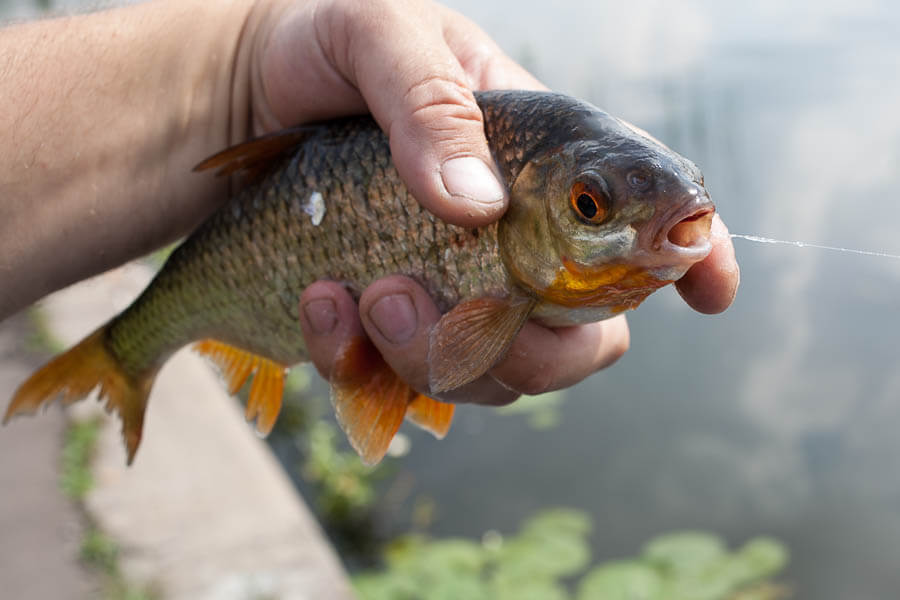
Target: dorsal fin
{"points": [[236, 365], [254, 156]]}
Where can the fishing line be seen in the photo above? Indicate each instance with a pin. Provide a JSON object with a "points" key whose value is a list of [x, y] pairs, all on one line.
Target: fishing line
{"points": [[765, 240]]}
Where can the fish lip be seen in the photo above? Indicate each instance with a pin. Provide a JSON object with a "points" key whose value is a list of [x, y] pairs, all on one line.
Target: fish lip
{"points": [[693, 253], [696, 210]]}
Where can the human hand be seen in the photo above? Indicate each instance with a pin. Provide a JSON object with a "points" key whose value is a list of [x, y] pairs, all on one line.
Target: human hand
{"points": [[413, 66]]}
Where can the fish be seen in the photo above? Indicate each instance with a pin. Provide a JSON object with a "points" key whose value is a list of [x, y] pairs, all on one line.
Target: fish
{"points": [[600, 215]]}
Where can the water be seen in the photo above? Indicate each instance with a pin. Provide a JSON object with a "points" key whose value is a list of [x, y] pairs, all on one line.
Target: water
{"points": [[780, 416]]}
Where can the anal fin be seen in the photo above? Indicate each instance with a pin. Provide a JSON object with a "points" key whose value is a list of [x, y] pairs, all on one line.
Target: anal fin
{"points": [[432, 415], [369, 398], [472, 337], [236, 366]]}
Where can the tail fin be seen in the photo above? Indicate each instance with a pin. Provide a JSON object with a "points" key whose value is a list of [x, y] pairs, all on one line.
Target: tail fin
{"points": [[78, 371]]}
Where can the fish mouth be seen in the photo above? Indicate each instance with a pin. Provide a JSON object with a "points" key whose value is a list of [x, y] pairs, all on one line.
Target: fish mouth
{"points": [[685, 235]]}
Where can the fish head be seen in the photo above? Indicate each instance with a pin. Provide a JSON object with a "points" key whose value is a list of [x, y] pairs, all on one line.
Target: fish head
{"points": [[600, 217]]}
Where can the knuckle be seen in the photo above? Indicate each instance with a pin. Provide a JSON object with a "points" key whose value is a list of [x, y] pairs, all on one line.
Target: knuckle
{"points": [[536, 381], [481, 59], [618, 348], [498, 396], [442, 102]]}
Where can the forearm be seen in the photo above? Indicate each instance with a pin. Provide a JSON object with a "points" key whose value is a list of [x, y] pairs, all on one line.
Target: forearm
{"points": [[103, 117]]}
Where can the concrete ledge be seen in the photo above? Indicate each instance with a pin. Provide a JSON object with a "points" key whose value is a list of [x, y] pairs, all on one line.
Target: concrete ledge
{"points": [[40, 529], [205, 511]]}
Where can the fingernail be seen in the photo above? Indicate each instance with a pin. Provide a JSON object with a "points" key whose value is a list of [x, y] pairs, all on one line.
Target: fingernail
{"points": [[395, 318], [470, 178], [321, 314]]}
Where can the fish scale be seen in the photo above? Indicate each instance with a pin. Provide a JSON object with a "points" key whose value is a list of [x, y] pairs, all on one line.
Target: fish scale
{"points": [[231, 280]]}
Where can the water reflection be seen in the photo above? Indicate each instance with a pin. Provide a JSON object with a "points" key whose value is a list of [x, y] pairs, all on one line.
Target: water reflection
{"points": [[778, 417]]}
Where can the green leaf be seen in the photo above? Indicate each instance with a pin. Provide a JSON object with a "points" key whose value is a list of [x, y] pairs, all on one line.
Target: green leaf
{"points": [[764, 556], [383, 586], [685, 551], [621, 580], [422, 570], [558, 521], [455, 586], [404, 553], [454, 556], [696, 566], [552, 544], [543, 410], [526, 589]]}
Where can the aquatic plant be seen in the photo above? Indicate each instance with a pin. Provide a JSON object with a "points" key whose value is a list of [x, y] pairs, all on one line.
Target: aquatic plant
{"points": [[551, 548], [543, 411]]}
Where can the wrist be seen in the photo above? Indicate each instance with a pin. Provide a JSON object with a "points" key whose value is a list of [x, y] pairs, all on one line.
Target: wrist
{"points": [[266, 24], [106, 114]]}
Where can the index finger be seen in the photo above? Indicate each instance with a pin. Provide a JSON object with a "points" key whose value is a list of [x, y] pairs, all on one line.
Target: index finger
{"points": [[711, 285]]}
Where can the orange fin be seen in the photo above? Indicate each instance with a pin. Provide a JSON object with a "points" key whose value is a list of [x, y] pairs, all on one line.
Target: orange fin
{"points": [[254, 157], [472, 337], [267, 389], [75, 373], [431, 415], [369, 398]]}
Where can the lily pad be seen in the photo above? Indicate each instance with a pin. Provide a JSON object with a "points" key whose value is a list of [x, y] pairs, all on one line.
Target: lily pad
{"points": [[622, 580]]}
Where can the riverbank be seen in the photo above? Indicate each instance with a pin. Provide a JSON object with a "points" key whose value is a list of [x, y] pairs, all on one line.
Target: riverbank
{"points": [[204, 512]]}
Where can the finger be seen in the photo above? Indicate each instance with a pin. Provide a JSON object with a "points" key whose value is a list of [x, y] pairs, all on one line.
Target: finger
{"points": [[398, 316], [329, 319], [544, 359], [296, 80], [711, 285], [422, 97]]}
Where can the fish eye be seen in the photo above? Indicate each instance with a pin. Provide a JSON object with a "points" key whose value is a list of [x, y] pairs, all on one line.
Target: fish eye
{"points": [[638, 180], [589, 202]]}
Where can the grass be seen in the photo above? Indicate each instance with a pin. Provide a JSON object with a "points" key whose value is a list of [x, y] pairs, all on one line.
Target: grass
{"points": [[40, 339], [76, 479], [98, 551]]}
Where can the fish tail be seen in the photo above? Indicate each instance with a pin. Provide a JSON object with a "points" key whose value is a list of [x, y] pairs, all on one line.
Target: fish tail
{"points": [[75, 373]]}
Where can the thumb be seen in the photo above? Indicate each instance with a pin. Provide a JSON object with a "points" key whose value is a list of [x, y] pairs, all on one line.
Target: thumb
{"points": [[439, 149], [421, 96]]}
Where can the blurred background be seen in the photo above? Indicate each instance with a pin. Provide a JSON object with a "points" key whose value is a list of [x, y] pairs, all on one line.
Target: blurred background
{"points": [[777, 418]]}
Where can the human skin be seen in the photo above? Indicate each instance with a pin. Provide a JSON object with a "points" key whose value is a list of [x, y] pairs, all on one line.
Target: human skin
{"points": [[105, 115]]}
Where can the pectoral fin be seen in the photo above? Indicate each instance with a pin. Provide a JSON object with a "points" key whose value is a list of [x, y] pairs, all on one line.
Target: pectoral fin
{"points": [[431, 415], [472, 338], [369, 398]]}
